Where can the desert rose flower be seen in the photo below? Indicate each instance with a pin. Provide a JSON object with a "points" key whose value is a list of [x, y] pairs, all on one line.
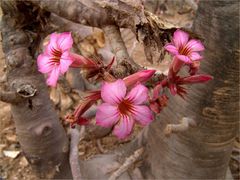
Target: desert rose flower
{"points": [[56, 58], [121, 110], [93, 96], [183, 49]]}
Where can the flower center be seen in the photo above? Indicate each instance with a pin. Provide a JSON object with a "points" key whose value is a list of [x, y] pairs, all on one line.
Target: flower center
{"points": [[185, 50], [125, 107], [56, 55]]}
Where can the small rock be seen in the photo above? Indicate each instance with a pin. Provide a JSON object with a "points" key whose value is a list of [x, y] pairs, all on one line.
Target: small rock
{"points": [[23, 162], [11, 154]]}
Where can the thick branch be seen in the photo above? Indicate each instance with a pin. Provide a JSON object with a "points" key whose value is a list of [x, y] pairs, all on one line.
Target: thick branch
{"points": [[82, 12], [41, 136], [215, 106], [113, 35], [125, 62], [9, 97], [125, 14]]}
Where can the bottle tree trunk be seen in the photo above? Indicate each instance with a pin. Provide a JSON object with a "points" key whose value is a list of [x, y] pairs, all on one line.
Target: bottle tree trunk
{"points": [[41, 136], [203, 152]]}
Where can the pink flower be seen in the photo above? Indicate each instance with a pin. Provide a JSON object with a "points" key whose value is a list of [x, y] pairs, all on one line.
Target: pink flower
{"points": [[121, 110], [94, 96], [56, 58], [184, 49]]}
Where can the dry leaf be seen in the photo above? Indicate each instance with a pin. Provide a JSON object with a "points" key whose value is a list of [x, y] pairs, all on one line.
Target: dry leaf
{"points": [[11, 154]]}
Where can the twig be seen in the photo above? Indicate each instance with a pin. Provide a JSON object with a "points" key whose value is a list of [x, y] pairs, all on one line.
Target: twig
{"points": [[128, 162], [183, 126], [76, 137]]}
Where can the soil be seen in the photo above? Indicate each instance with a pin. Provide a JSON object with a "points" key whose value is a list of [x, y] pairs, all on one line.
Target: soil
{"points": [[14, 166]]}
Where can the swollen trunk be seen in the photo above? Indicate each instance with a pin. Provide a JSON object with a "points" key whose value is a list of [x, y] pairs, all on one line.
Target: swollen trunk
{"points": [[203, 152]]}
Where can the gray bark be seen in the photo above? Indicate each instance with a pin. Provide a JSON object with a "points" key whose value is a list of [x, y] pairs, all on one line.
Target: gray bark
{"points": [[41, 136], [203, 152]]}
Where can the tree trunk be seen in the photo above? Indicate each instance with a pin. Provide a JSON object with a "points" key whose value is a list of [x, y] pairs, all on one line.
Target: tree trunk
{"points": [[203, 152], [41, 136]]}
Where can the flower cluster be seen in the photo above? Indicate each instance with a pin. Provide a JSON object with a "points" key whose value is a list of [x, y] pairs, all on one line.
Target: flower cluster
{"points": [[124, 101], [185, 52]]}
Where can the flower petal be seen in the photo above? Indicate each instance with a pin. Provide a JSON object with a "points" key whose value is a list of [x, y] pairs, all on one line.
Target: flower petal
{"points": [[113, 92], [44, 63], [195, 45], [177, 64], [53, 76], [52, 44], [65, 41], [140, 76], [65, 62], [124, 127], [138, 94], [173, 89], [183, 58], [107, 115], [201, 78], [143, 115], [171, 49], [194, 56], [180, 38]]}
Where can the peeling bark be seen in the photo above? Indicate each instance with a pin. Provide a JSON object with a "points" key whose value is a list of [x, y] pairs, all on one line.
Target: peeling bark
{"points": [[203, 152], [41, 136], [123, 13]]}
